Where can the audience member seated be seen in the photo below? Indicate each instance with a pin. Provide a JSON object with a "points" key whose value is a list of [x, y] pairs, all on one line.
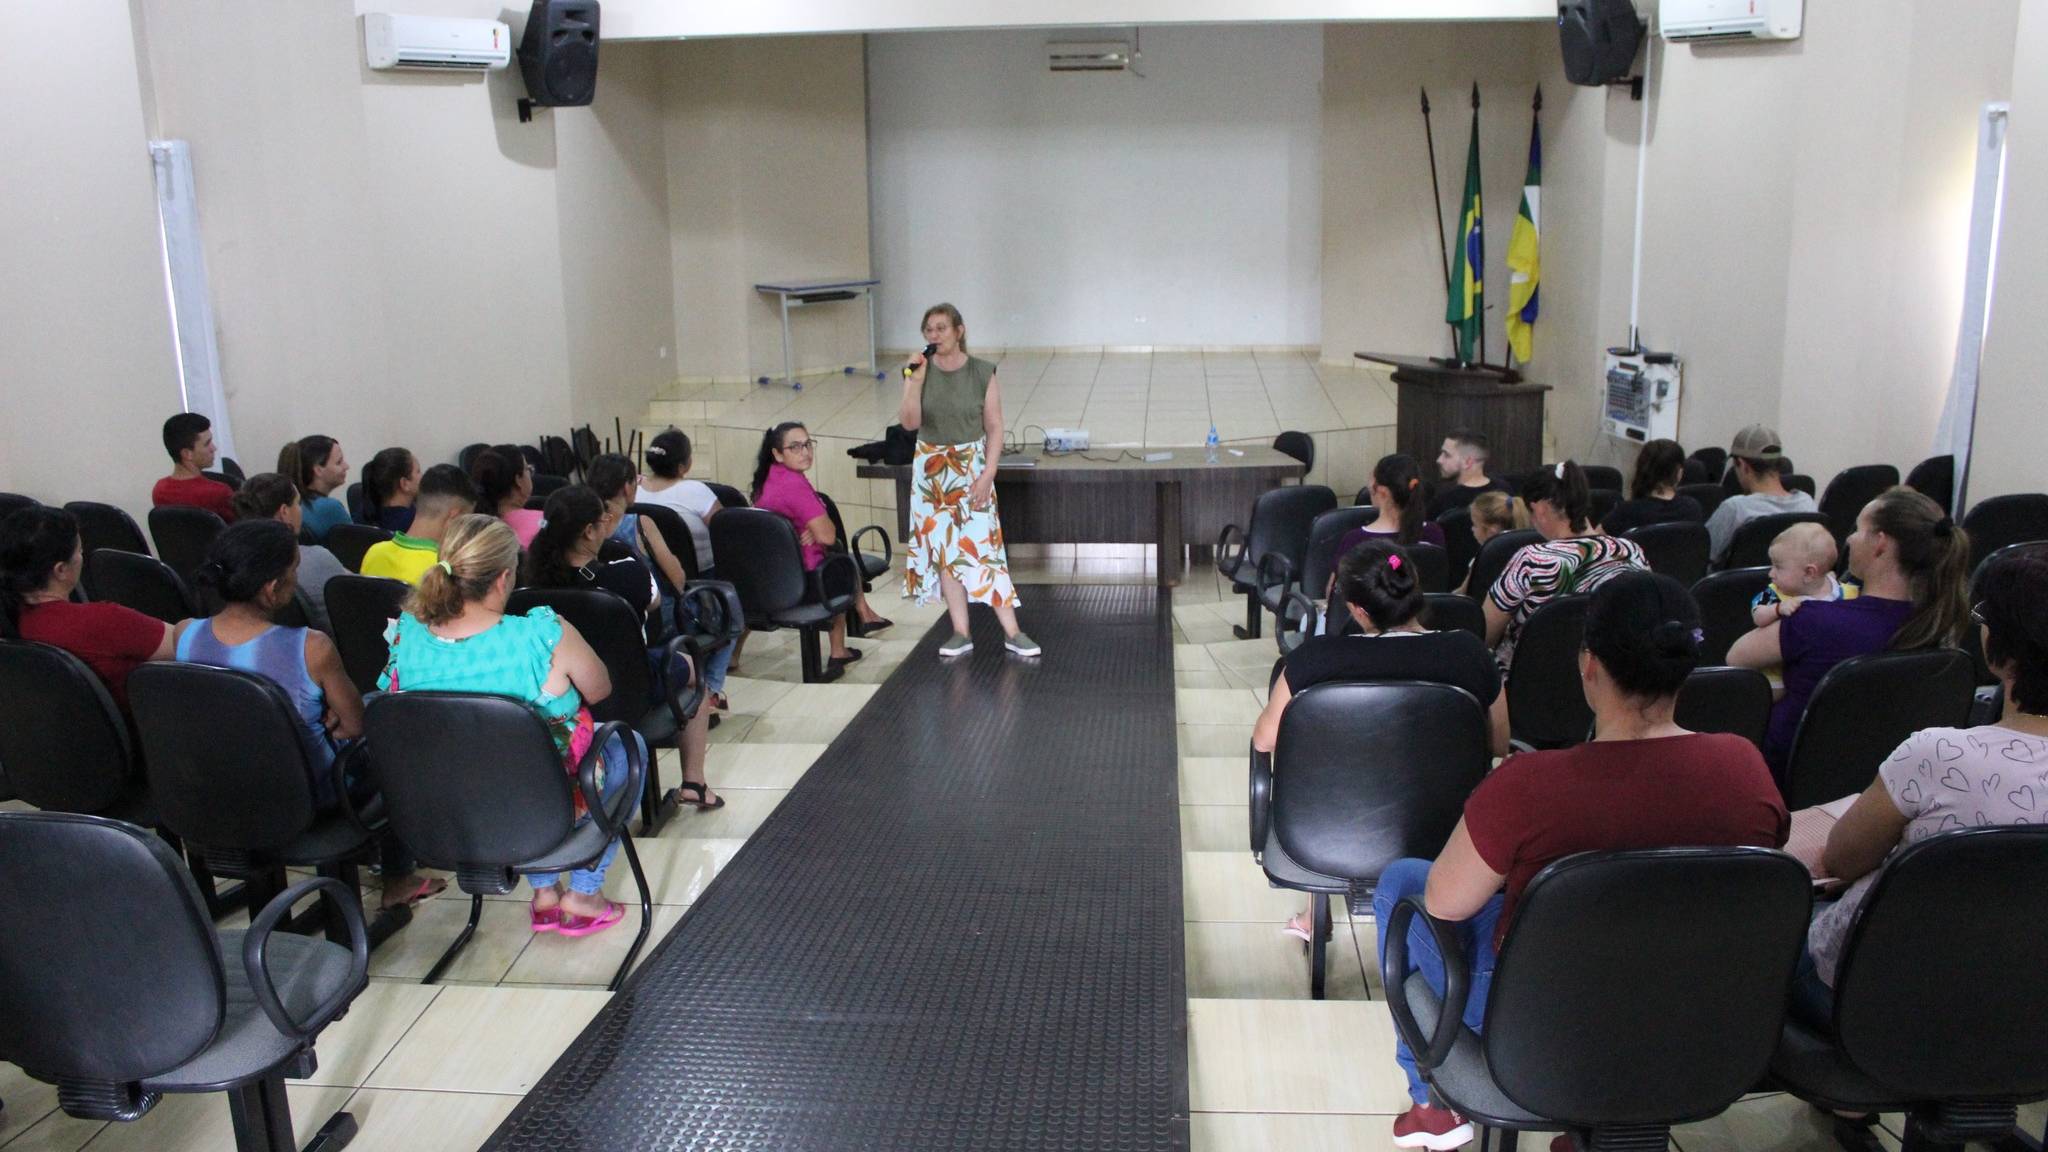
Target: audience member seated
{"points": [[188, 437], [1913, 564], [1944, 779], [1462, 463], [318, 467], [780, 486], [504, 483], [1802, 568], [1653, 491], [1492, 514], [444, 494], [1574, 556], [1760, 468], [454, 636], [269, 496], [40, 562], [391, 482], [1642, 782], [668, 457], [254, 566], [571, 552], [1397, 497]]}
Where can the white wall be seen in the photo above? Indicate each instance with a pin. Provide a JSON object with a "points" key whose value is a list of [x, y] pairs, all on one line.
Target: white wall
{"points": [[657, 19], [1180, 209]]}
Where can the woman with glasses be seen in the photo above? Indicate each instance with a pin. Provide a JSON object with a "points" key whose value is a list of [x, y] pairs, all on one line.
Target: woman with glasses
{"points": [[781, 487], [955, 550]]}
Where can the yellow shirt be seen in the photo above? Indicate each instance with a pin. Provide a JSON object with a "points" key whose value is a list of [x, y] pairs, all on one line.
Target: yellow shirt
{"points": [[402, 557]]}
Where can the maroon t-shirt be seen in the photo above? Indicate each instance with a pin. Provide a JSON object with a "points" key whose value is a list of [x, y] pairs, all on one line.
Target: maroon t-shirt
{"points": [[198, 492], [109, 638], [1674, 792]]}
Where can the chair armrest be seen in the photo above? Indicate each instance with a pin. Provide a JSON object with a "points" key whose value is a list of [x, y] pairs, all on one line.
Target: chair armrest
{"points": [[1275, 571], [1394, 978], [258, 939], [683, 699], [370, 819], [716, 606], [820, 584], [593, 758], [888, 552], [1295, 602], [1262, 800], [1228, 562]]}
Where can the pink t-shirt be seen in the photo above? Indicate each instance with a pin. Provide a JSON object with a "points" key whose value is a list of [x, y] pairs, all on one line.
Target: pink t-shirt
{"points": [[787, 493], [525, 524]]}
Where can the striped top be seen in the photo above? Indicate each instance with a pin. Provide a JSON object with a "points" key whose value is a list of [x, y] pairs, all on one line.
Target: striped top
{"points": [[1544, 571]]}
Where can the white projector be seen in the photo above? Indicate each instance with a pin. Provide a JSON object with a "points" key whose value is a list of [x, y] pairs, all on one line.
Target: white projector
{"points": [[1066, 439]]}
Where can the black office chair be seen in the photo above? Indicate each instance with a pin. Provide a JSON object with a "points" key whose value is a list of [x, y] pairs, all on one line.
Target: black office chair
{"points": [[474, 784], [1850, 490], [1693, 471], [131, 993], [728, 497], [1362, 775], [1603, 477], [1299, 445], [468, 455], [351, 542], [2005, 520], [1714, 461], [1935, 478], [359, 510], [872, 567], [1956, 918], [1493, 560], [757, 551], [141, 582], [1319, 562], [1751, 547], [1736, 701], [582, 447], [1459, 542], [1707, 496], [12, 502], [1724, 599], [675, 533], [182, 535], [1801, 482], [1546, 705], [539, 461], [1450, 612], [1599, 503], [1634, 991], [1280, 523], [1679, 549], [1863, 709], [242, 795], [360, 608], [546, 484], [105, 526]]}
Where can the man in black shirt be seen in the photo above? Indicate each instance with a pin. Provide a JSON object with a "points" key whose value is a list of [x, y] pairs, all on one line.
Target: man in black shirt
{"points": [[1463, 465]]}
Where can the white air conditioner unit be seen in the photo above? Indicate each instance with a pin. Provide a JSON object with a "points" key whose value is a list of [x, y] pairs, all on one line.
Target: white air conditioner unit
{"points": [[1697, 20], [435, 43], [1089, 55]]}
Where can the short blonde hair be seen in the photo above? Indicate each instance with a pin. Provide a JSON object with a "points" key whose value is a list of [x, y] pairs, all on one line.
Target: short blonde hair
{"points": [[1501, 511], [1808, 543], [475, 551]]}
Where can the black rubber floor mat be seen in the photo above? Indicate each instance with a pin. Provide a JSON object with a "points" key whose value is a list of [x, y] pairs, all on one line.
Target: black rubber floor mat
{"points": [[962, 929]]}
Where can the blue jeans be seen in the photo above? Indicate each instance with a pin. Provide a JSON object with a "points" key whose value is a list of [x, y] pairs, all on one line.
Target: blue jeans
{"points": [[590, 881], [1405, 878], [716, 664]]}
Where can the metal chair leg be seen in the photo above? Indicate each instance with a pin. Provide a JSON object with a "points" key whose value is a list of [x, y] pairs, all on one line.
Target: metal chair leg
{"points": [[333, 1135], [476, 911], [813, 662], [262, 1116], [1254, 616], [654, 811], [646, 911], [1319, 934]]}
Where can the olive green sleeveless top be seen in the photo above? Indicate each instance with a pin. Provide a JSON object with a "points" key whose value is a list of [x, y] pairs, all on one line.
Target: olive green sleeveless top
{"points": [[952, 402]]}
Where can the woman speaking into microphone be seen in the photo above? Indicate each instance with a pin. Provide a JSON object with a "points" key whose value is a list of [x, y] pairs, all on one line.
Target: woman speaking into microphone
{"points": [[951, 401]]}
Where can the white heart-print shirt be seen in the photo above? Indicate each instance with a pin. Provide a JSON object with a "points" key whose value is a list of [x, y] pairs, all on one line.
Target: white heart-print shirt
{"points": [[1944, 779]]}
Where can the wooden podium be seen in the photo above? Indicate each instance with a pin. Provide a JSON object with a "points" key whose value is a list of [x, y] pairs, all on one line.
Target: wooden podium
{"points": [[1435, 398]]}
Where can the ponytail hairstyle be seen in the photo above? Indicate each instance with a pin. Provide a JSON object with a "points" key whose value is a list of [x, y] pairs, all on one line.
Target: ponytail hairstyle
{"points": [[297, 460], [248, 555], [33, 541], [668, 454], [382, 474], [1380, 579], [475, 552], [1660, 462], [1644, 628], [609, 474], [569, 511], [496, 477], [1402, 479], [1564, 485], [1934, 555], [772, 440], [950, 313], [1500, 511], [261, 495]]}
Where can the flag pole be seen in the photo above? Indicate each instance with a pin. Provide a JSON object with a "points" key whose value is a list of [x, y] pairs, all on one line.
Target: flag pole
{"points": [[1481, 271], [1436, 198]]}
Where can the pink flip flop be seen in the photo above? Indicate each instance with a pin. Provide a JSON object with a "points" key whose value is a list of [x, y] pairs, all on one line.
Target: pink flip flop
{"points": [[587, 925], [546, 921]]}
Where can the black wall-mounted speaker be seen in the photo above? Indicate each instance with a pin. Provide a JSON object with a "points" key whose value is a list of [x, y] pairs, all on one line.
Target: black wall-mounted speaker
{"points": [[558, 53], [1599, 39]]}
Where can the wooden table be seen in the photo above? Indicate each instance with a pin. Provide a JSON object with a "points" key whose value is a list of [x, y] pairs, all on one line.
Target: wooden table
{"points": [[1112, 496]]}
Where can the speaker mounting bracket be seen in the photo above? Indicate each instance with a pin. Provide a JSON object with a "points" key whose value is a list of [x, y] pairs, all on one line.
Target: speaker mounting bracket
{"points": [[526, 105]]}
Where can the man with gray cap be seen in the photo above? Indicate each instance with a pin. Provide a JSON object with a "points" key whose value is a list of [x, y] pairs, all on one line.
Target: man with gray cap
{"points": [[1761, 468]]}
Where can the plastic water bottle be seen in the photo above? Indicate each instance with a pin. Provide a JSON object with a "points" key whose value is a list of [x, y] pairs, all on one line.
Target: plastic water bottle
{"points": [[1210, 443]]}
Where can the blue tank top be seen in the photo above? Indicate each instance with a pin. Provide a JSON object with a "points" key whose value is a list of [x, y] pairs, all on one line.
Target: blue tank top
{"points": [[278, 655]]}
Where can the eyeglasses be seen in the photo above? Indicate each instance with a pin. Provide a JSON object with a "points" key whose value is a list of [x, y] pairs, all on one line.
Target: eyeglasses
{"points": [[1977, 614], [798, 446]]}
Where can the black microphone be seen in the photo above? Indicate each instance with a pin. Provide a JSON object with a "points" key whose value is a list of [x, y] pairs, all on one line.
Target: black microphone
{"points": [[910, 370]]}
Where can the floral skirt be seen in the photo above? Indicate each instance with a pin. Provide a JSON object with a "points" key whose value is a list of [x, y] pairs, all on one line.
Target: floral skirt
{"points": [[947, 534]]}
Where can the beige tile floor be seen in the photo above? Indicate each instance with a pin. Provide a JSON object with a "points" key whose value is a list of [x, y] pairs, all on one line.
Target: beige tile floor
{"points": [[1269, 1069]]}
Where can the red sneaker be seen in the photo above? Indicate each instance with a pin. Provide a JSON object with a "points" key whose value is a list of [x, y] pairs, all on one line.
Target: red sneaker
{"points": [[1437, 1129]]}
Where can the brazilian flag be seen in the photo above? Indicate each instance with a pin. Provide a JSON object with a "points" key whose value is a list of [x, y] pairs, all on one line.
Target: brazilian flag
{"points": [[1466, 309], [1525, 268]]}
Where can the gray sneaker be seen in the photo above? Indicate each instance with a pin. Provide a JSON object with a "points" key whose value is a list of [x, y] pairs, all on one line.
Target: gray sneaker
{"points": [[1022, 645], [958, 646]]}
